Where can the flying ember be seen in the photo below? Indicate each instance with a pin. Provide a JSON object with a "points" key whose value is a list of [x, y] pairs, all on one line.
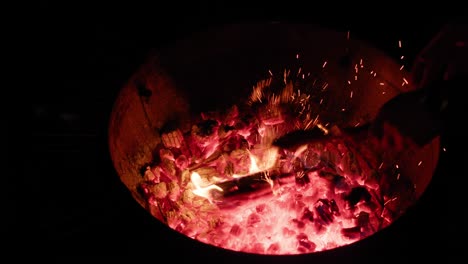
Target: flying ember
{"points": [[266, 176]]}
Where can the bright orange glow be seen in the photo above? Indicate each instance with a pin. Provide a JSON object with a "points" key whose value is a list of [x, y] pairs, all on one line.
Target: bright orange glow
{"points": [[226, 183]]}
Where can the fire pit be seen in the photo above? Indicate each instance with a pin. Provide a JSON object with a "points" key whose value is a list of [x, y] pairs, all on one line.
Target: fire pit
{"points": [[223, 137]]}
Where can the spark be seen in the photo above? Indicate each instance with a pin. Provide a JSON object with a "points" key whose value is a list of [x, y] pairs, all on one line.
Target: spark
{"points": [[343, 109], [303, 76], [347, 35], [420, 162], [391, 200], [349, 82], [381, 165], [396, 166], [405, 80], [444, 149], [399, 43], [382, 84], [271, 74], [360, 62], [297, 56], [398, 176], [402, 57], [355, 77], [357, 124], [309, 123], [402, 66], [323, 128], [351, 94], [324, 64], [321, 101], [375, 74]]}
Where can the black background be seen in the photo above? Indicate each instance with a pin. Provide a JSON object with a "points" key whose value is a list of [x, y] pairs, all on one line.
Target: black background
{"points": [[70, 201]]}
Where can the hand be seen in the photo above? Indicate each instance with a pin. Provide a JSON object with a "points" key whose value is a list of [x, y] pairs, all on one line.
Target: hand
{"points": [[444, 57], [414, 118]]}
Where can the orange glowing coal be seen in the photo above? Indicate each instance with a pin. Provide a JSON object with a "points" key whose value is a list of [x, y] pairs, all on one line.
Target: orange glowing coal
{"points": [[226, 181]]}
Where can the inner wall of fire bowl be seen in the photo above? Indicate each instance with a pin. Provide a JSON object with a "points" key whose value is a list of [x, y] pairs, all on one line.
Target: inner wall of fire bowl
{"points": [[220, 137]]}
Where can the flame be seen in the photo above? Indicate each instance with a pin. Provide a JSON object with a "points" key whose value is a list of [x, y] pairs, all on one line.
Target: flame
{"points": [[204, 192]]}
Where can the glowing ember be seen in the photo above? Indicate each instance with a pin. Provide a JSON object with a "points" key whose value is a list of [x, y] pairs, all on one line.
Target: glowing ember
{"points": [[229, 182]]}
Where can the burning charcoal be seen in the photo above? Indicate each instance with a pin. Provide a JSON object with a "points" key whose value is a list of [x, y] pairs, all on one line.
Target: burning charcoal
{"points": [[297, 165], [325, 212], [224, 131], [308, 215], [298, 205], [261, 208], [214, 223], [168, 163], [229, 169], [351, 232], [310, 159], [184, 177], [235, 142], [182, 162], [298, 223], [340, 183], [180, 227], [205, 128], [274, 248], [302, 178], [253, 219], [166, 154], [241, 160], [236, 230], [288, 232], [363, 219], [221, 164], [258, 248], [187, 216], [172, 139], [172, 218], [358, 194], [350, 164], [173, 190], [152, 176], [160, 190], [334, 207], [305, 245], [169, 168], [208, 208]]}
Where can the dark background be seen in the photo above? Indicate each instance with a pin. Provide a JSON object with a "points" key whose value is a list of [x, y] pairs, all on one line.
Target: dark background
{"points": [[70, 201]]}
